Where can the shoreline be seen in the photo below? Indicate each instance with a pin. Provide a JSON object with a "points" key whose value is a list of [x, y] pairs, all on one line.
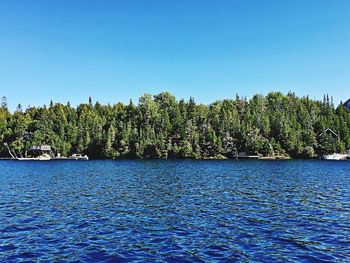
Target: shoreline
{"points": [[176, 159]]}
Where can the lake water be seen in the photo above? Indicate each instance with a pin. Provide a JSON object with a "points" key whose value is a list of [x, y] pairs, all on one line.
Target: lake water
{"points": [[175, 211]]}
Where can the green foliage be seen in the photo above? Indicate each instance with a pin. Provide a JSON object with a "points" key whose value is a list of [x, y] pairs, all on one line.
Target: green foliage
{"points": [[162, 127]]}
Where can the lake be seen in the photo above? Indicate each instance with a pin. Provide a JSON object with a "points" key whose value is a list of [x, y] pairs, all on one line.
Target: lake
{"points": [[175, 211]]}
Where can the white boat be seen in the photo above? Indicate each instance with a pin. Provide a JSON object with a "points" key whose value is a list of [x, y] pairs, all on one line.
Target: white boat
{"points": [[43, 157], [78, 156], [335, 156]]}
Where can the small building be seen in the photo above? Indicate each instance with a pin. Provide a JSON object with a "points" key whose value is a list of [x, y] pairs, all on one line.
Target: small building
{"points": [[346, 104], [37, 150], [330, 132], [328, 141]]}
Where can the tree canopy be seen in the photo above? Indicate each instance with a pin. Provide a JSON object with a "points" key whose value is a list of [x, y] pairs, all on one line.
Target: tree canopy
{"points": [[161, 126]]}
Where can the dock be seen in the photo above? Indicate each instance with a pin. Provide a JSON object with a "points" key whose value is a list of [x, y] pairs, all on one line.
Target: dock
{"points": [[244, 155]]}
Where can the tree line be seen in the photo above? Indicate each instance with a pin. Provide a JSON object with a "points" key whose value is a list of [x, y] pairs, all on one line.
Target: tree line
{"points": [[160, 126]]}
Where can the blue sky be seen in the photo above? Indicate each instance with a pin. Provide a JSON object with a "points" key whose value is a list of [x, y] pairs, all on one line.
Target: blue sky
{"points": [[116, 50]]}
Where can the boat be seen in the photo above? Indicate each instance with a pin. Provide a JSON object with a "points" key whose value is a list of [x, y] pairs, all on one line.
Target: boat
{"points": [[335, 156], [78, 156]]}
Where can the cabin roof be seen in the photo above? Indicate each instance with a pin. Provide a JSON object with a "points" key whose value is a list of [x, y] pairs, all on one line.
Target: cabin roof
{"points": [[41, 147], [347, 103], [328, 130]]}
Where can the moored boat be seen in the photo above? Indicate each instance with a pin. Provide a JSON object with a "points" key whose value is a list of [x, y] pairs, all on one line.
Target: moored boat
{"points": [[335, 156], [78, 156]]}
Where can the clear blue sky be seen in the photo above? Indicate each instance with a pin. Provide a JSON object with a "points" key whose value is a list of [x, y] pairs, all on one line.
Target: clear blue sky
{"points": [[116, 50]]}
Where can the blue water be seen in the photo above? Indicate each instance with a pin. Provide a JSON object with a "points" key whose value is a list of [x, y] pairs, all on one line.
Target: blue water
{"points": [[175, 211]]}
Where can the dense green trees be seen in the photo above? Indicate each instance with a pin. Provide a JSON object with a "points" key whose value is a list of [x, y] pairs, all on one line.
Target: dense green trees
{"points": [[162, 127]]}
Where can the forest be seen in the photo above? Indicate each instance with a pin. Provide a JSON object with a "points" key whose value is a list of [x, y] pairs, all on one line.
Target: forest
{"points": [[160, 126]]}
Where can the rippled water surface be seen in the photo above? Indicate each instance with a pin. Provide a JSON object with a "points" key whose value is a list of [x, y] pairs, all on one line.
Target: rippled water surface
{"points": [[175, 211]]}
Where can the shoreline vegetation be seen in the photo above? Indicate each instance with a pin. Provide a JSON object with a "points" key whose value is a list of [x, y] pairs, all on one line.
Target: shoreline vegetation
{"points": [[275, 126]]}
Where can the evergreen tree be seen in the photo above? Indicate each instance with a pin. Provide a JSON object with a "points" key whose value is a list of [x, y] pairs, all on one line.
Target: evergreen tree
{"points": [[162, 127]]}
